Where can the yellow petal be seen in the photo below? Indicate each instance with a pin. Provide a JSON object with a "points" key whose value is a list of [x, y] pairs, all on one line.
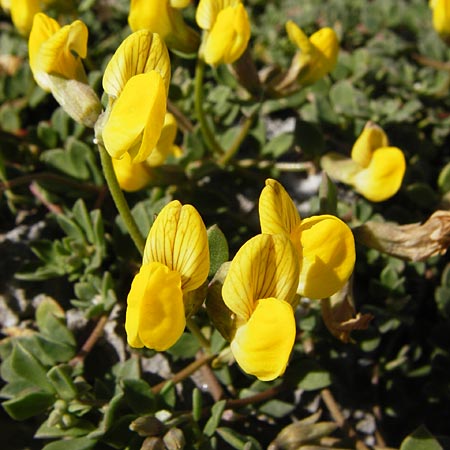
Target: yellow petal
{"points": [[262, 346], [326, 249], [136, 119], [155, 310], [299, 38], [265, 266], [178, 240], [277, 212], [139, 53], [161, 17], [207, 11], [441, 18], [131, 177], [228, 37], [22, 14], [165, 145], [57, 51], [371, 138], [383, 177]]}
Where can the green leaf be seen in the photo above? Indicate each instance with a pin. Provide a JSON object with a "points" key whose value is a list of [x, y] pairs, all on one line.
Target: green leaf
{"points": [[420, 439], [82, 443], [237, 440], [28, 404], [139, 396], [216, 416], [61, 378], [71, 160], [277, 408], [311, 376], [278, 145], [197, 404], [444, 179], [218, 249], [27, 367], [50, 319]]}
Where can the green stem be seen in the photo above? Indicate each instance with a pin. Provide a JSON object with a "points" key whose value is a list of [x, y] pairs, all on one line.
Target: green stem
{"points": [[119, 199], [195, 330], [223, 160], [207, 133]]}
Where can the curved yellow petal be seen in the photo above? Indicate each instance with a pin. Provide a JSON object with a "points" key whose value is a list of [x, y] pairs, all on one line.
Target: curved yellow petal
{"points": [[131, 177], [165, 145], [265, 266], [22, 14], [207, 11], [371, 138], [326, 248], [228, 37], [178, 240], [136, 119], [299, 38], [155, 311], [262, 346], [277, 212], [57, 51], [384, 175], [141, 52]]}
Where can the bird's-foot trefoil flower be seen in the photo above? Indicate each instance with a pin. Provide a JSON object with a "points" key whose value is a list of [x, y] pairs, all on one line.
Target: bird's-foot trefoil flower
{"points": [[441, 18], [324, 243], [226, 30], [164, 17], [175, 264], [375, 169], [259, 289], [136, 80], [315, 58], [133, 177], [55, 59]]}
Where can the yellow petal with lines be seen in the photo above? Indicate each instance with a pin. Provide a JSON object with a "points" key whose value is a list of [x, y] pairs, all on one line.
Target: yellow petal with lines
{"points": [[178, 240], [277, 212], [265, 266], [140, 52]]}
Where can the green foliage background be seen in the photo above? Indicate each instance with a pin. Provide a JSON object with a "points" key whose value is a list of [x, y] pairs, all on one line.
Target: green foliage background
{"points": [[67, 262]]}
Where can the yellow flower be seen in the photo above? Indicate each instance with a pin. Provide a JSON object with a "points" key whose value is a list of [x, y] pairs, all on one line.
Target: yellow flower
{"points": [[317, 55], [55, 60], [133, 177], [260, 289], [137, 81], [163, 17], [22, 13], [175, 263], [227, 30], [324, 244], [375, 169], [441, 18]]}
